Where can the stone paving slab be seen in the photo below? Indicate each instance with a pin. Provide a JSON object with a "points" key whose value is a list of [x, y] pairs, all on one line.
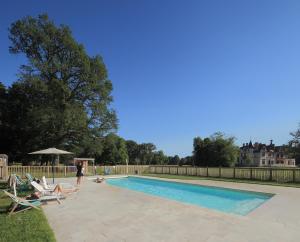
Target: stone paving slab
{"points": [[104, 213]]}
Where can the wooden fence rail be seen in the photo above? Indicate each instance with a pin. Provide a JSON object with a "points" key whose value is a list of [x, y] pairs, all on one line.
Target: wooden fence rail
{"points": [[250, 173], [68, 171]]}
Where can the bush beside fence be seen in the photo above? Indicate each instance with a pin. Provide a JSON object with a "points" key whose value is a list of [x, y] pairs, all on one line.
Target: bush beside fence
{"points": [[249, 173]]}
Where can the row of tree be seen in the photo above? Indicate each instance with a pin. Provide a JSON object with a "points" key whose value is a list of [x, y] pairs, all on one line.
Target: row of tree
{"points": [[216, 150], [63, 99], [117, 150]]}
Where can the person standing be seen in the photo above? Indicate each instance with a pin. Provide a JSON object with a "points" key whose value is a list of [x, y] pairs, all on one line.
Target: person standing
{"points": [[79, 173]]}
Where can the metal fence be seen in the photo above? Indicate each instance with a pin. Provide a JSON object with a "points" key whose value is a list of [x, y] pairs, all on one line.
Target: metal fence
{"points": [[68, 171], [249, 173]]}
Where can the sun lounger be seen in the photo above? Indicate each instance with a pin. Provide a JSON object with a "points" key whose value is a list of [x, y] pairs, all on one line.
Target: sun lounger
{"points": [[65, 186], [23, 204], [19, 180], [29, 177], [47, 195], [16, 181], [46, 185]]}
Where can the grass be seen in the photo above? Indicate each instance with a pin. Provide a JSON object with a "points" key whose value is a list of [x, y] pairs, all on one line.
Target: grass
{"points": [[27, 226], [223, 179]]}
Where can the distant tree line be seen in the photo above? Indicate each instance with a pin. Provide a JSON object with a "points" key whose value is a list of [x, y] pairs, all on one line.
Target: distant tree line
{"points": [[62, 98], [117, 150], [216, 150]]}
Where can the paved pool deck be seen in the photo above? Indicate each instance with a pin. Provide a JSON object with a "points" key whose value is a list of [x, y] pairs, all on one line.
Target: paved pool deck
{"points": [[105, 213]]}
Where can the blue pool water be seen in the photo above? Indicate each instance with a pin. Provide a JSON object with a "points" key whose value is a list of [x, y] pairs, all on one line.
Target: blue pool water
{"points": [[222, 199]]}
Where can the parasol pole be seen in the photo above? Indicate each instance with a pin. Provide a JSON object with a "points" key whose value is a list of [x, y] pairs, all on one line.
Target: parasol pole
{"points": [[53, 169]]}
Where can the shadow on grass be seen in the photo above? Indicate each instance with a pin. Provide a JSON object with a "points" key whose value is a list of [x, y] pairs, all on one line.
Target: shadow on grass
{"points": [[27, 226]]}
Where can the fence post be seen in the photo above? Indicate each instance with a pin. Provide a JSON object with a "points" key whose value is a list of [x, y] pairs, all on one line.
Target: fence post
{"points": [[207, 171], [196, 171], [250, 173], [186, 171], [6, 175], [220, 171], [65, 171], [177, 171], [271, 175], [155, 169], [169, 170], [48, 171], [294, 175], [234, 172]]}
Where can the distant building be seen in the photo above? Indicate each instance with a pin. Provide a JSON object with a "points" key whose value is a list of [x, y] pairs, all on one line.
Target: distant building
{"points": [[259, 154]]}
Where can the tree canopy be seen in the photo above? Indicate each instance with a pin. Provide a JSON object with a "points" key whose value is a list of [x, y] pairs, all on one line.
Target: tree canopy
{"points": [[216, 150], [293, 147], [62, 97], [114, 150]]}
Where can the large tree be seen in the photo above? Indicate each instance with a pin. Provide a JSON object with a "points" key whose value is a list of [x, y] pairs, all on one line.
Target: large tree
{"points": [[159, 158], [114, 150], [293, 147], [63, 95], [216, 150], [174, 160], [133, 152], [4, 142], [146, 153]]}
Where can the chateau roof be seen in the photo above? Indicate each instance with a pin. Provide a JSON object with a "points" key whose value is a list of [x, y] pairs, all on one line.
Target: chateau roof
{"points": [[257, 147]]}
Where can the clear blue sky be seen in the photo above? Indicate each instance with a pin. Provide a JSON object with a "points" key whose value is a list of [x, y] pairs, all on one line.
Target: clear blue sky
{"points": [[182, 69]]}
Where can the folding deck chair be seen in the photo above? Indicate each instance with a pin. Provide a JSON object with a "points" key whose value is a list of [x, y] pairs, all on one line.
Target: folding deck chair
{"points": [[66, 186], [23, 204], [47, 195], [19, 183], [29, 177]]}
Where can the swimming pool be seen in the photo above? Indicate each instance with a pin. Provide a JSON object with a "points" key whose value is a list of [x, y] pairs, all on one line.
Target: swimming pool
{"points": [[217, 198]]}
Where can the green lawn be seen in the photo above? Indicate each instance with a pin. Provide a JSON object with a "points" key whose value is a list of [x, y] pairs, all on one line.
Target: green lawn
{"points": [[27, 226], [223, 179]]}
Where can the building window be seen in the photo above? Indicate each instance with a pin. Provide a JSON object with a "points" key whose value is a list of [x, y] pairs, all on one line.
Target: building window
{"points": [[263, 161], [263, 154]]}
